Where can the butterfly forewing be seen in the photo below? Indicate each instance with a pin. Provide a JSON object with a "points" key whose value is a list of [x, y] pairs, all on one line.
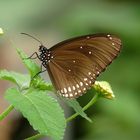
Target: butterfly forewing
{"points": [[77, 62]]}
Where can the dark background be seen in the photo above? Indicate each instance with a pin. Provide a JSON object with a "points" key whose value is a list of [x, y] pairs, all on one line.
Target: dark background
{"points": [[53, 21]]}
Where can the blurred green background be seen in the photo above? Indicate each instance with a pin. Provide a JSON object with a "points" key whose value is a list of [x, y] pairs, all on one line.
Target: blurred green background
{"points": [[53, 21]]}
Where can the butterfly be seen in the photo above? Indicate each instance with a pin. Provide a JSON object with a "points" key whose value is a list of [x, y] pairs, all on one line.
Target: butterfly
{"points": [[74, 64]]}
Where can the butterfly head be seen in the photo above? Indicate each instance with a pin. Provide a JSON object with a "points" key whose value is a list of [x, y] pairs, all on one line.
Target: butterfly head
{"points": [[42, 49]]}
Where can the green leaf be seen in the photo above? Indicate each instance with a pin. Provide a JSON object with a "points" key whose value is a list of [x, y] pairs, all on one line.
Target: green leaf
{"points": [[42, 111], [17, 78], [104, 89], [76, 106], [42, 85], [31, 66]]}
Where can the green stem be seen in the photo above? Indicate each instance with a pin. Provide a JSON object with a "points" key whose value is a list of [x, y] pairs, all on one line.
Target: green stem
{"points": [[35, 137], [6, 112], [89, 104]]}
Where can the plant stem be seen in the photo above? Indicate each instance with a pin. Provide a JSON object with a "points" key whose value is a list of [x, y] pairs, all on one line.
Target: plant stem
{"points": [[6, 112], [37, 136], [89, 104]]}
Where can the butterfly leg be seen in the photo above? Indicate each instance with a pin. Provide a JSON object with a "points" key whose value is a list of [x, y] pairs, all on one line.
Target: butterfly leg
{"points": [[39, 71], [31, 57]]}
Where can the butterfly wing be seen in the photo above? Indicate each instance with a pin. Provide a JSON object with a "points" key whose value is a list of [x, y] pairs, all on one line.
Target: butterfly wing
{"points": [[77, 62]]}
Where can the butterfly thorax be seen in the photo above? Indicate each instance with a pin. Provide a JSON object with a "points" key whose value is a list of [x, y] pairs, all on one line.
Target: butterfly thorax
{"points": [[45, 55]]}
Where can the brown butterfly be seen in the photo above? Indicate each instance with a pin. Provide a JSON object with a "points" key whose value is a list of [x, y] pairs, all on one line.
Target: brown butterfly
{"points": [[74, 64]]}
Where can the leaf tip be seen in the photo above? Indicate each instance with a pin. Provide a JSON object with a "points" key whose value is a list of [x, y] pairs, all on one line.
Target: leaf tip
{"points": [[89, 120]]}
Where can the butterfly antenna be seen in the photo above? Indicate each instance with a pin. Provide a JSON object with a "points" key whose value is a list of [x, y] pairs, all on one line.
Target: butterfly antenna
{"points": [[32, 37]]}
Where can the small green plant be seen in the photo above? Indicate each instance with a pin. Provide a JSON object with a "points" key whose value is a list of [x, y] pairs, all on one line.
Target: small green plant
{"points": [[33, 99]]}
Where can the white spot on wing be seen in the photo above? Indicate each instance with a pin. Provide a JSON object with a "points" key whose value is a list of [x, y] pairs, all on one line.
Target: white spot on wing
{"points": [[89, 73], [90, 82], [66, 95], [89, 52], [113, 44], [85, 79], [86, 84], [69, 89], [79, 91], [65, 90], [71, 95], [81, 83], [77, 85], [98, 72], [73, 87]]}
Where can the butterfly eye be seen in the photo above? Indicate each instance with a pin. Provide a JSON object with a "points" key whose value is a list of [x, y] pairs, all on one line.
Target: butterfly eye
{"points": [[44, 49], [41, 48]]}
